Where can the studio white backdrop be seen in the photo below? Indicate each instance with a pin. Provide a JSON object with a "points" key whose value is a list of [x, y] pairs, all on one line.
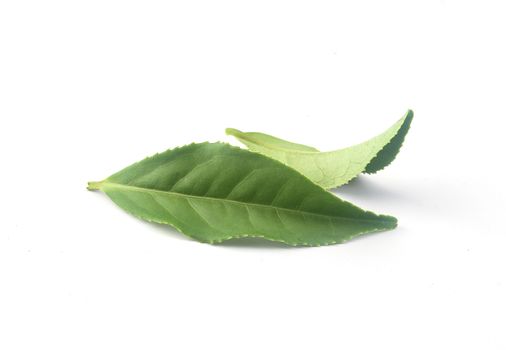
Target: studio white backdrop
{"points": [[89, 87]]}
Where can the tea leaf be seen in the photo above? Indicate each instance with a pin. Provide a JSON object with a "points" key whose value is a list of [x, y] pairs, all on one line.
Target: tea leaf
{"points": [[335, 168], [214, 192]]}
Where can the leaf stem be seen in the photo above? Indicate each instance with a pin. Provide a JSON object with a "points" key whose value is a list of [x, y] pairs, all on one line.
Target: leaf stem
{"points": [[94, 185], [232, 132]]}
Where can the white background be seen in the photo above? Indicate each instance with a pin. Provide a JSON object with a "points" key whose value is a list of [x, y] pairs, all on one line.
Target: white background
{"points": [[88, 87]]}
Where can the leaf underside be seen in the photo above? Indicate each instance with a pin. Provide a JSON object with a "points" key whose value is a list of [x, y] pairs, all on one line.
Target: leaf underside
{"points": [[214, 192], [335, 168]]}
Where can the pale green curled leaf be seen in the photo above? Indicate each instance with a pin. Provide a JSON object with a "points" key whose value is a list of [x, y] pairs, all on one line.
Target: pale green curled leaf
{"points": [[335, 168], [214, 192]]}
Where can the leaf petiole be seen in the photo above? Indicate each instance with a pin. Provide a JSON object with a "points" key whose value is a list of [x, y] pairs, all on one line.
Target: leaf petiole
{"points": [[94, 185]]}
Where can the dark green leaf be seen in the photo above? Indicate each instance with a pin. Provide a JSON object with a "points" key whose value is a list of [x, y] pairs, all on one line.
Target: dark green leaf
{"points": [[215, 192]]}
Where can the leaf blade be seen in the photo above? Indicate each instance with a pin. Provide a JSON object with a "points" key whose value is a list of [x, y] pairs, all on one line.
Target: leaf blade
{"points": [[215, 192], [335, 168]]}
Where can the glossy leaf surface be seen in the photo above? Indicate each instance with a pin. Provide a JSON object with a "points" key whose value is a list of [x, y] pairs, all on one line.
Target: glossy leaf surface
{"points": [[215, 192]]}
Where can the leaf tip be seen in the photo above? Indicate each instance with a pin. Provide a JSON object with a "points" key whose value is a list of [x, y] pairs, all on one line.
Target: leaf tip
{"points": [[390, 221], [409, 114]]}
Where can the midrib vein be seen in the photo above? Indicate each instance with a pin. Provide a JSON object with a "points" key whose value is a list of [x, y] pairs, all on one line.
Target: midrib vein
{"points": [[186, 196]]}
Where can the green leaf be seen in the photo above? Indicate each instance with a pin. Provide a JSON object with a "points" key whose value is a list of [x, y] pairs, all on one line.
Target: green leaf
{"points": [[335, 168], [214, 192]]}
